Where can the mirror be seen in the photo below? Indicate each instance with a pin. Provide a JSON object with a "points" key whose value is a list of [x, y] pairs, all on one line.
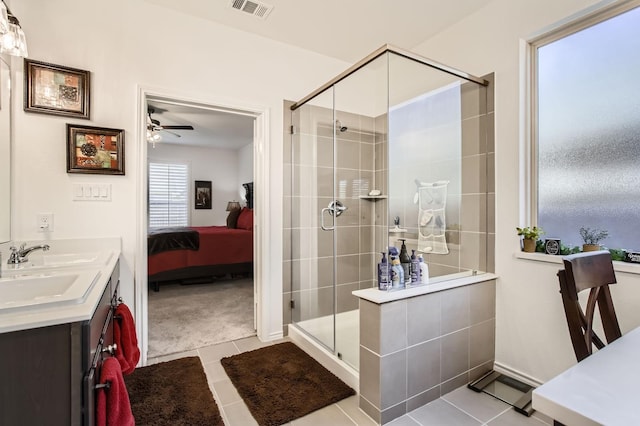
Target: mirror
{"points": [[5, 151]]}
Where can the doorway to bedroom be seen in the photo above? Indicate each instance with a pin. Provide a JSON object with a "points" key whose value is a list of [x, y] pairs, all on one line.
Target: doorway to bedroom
{"points": [[200, 180]]}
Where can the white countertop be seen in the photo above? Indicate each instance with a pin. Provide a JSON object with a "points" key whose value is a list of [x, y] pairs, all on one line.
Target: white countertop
{"points": [[602, 389], [445, 282], [34, 317]]}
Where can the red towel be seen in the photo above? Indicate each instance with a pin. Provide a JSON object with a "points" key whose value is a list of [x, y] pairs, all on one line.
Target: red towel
{"points": [[113, 406], [124, 335]]}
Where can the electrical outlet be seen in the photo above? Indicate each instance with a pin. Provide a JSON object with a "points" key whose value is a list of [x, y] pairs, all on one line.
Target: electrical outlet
{"points": [[44, 222]]}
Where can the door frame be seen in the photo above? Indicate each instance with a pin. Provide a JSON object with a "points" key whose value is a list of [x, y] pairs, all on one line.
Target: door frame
{"points": [[261, 232]]}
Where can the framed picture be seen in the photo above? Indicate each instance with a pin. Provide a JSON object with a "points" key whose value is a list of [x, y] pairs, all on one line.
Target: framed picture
{"points": [[203, 194], [57, 90], [96, 150]]}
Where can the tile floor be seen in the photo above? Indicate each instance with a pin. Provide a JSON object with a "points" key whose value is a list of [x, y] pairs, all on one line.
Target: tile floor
{"points": [[459, 408]]}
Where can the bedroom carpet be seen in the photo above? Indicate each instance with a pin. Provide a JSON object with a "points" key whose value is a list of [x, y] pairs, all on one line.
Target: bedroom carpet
{"points": [[185, 317], [280, 383], [172, 393]]}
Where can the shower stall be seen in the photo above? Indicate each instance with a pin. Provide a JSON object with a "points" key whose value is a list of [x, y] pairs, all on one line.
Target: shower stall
{"points": [[395, 148]]}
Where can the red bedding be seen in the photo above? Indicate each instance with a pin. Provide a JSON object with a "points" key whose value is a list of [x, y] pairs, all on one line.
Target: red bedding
{"points": [[219, 245]]}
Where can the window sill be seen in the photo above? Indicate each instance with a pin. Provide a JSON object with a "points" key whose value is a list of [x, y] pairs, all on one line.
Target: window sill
{"points": [[630, 268]]}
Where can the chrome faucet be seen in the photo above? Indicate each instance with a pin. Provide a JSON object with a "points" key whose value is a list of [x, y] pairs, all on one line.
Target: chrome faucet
{"points": [[21, 255]]}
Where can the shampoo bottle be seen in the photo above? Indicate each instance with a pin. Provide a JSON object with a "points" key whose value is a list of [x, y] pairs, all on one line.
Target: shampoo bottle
{"points": [[395, 274], [424, 270], [393, 253], [398, 276], [415, 268], [405, 261], [383, 273]]}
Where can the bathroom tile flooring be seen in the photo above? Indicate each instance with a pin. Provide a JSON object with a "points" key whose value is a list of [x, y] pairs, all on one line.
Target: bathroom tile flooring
{"points": [[458, 408]]}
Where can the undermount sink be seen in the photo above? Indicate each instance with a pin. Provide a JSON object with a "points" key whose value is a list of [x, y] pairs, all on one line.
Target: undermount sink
{"points": [[44, 260], [43, 290]]}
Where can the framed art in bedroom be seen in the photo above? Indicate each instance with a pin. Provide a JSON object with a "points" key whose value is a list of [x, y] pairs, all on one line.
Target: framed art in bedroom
{"points": [[57, 90], [202, 194]]}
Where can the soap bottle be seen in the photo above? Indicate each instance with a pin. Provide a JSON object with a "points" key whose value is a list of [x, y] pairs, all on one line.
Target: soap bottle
{"points": [[393, 253], [395, 274], [398, 280], [424, 270], [383, 273], [415, 268], [405, 261]]}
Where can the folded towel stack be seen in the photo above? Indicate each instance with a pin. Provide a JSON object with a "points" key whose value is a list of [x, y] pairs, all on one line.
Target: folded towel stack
{"points": [[124, 331], [113, 406]]}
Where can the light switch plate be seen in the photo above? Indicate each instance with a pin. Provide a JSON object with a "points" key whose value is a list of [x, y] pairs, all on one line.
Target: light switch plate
{"points": [[91, 192]]}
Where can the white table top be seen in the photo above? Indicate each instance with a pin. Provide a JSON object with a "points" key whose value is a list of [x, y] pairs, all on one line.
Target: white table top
{"points": [[602, 389]]}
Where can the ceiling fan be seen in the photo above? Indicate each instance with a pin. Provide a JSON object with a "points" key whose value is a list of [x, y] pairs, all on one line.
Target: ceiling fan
{"points": [[154, 125]]}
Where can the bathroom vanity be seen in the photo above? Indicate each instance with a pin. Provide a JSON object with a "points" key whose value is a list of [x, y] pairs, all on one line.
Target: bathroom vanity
{"points": [[52, 351]]}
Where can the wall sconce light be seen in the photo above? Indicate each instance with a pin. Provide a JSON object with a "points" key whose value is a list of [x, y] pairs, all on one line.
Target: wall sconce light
{"points": [[233, 205], [12, 38]]}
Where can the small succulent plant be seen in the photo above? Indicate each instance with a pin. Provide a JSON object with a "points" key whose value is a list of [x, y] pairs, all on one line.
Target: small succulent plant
{"points": [[593, 236]]}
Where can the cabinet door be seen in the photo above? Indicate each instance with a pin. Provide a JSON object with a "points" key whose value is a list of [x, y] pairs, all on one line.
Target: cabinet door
{"points": [[37, 372]]}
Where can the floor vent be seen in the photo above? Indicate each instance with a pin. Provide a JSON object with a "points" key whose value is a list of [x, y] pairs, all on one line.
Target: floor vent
{"points": [[255, 8]]}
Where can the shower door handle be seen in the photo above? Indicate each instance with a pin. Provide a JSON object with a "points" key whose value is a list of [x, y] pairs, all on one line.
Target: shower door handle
{"points": [[324, 228], [335, 209]]}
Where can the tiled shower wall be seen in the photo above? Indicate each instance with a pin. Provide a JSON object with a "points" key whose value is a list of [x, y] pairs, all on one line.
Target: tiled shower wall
{"points": [[461, 153], [307, 249]]}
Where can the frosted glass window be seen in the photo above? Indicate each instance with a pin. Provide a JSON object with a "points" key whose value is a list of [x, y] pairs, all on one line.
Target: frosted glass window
{"points": [[168, 195], [588, 132]]}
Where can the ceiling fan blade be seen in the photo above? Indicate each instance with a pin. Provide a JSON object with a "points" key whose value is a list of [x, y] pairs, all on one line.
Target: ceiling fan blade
{"points": [[177, 127], [173, 133]]}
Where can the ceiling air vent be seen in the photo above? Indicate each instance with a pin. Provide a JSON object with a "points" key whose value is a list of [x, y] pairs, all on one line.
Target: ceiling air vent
{"points": [[255, 8]]}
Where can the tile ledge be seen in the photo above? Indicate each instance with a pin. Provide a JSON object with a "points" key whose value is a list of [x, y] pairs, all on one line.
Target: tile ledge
{"points": [[630, 268], [377, 296]]}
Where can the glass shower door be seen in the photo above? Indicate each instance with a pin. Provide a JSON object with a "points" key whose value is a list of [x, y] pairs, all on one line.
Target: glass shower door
{"points": [[313, 219]]}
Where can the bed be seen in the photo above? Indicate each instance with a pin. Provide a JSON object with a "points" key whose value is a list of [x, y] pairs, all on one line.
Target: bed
{"points": [[191, 253]]}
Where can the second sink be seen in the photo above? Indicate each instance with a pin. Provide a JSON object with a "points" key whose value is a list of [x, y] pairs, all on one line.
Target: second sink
{"points": [[26, 291]]}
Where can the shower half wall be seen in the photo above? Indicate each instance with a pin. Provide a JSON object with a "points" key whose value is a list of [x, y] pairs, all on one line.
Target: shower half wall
{"points": [[391, 120]]}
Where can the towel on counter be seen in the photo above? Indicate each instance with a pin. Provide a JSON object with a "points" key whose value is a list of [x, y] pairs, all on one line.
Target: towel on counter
{"points": [[113, 406], [124, 334]]}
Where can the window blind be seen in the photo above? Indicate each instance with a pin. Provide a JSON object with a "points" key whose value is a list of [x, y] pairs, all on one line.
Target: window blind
{"points": [[168, 195]]}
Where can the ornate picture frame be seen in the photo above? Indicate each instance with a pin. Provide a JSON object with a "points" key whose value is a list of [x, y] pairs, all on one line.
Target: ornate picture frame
{"points": [[55, 89], [95, 150]]}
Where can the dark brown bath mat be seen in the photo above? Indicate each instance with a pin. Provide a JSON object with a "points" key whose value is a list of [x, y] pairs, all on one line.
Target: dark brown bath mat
{"points": [[281, 383], [172, 393]]}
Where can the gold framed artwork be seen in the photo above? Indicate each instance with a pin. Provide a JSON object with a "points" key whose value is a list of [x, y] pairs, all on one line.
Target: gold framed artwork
{"points": [[54, 89], [95, 150]]}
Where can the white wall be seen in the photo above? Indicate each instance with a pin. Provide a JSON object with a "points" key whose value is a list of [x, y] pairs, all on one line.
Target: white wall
{"points": [[531, 330], [131, 43], [212, 164]]}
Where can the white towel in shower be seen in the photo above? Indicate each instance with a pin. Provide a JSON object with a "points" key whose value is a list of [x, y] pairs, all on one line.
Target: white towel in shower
{"points": [[432, 201]]}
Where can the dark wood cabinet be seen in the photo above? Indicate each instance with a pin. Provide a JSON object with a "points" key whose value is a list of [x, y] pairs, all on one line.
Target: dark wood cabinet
{"points": [[48, 374]]}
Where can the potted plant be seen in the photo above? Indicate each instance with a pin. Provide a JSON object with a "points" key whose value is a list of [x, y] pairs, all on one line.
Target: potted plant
{"points": [[529, 237], [592, 237]]}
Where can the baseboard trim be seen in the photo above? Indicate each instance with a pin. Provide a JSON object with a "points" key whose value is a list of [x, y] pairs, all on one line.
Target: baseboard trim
{"points": [[516, 374], [274, 336]]}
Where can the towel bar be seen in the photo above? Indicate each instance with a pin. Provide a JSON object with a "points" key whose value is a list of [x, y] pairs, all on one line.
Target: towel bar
{"points": [[106, 385], [111, 349]]}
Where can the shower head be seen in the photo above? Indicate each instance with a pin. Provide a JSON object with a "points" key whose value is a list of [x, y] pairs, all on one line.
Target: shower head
{"points": [[340, 127]]}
